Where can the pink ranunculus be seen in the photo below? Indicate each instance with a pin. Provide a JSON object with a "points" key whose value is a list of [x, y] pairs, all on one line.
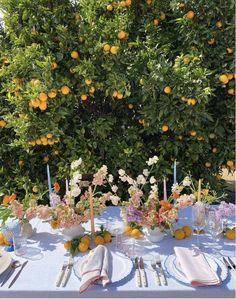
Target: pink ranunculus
{"points": [[17, 209], [44, 212]]}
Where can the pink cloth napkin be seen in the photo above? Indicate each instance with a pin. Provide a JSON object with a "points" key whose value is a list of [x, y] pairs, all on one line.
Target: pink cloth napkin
{"points": [[94, 268], [195, 267]]}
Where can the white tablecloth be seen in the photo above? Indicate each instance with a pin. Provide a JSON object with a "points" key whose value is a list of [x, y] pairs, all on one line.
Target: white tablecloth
{"points": [[38, 277]]}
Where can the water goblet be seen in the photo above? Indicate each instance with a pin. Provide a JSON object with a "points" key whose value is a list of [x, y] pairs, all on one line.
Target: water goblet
{"points": [[215, 228], [198, 218]]}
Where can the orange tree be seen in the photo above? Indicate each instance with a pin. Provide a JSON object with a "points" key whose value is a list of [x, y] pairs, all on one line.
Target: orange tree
{"points": [[115, 82]]}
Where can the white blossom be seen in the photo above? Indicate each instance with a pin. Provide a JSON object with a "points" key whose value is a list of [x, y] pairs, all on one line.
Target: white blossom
{"points": [[154, 188], [141, 179], [75, 164], [152, 180], [187, 181], [114, 199], [129, 180], [175, 187], [104, 169], [146, 172], [121, 172], [75, 191], [110, 178], [123, 178], [114, 188], [152, 160]]}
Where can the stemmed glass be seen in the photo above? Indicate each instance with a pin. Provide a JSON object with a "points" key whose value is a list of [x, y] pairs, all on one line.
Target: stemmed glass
{"points": [[214, 227], [198, 218]]}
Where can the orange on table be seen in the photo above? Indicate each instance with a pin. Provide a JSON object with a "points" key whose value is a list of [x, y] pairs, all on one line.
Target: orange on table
{"points": [[179, 234], [127, 230], [107, 237], [85, 239], [99, 240], [83, 246], [67, 245], [136, 233], [231, 234], [2, 239], [187, 230]]}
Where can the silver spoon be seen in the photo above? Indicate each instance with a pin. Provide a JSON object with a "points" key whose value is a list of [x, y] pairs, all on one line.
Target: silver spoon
{"points": [[13, 266]]}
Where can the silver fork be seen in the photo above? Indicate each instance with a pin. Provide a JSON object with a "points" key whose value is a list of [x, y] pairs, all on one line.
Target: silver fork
{"points": [[159, 265], [157, 277]]}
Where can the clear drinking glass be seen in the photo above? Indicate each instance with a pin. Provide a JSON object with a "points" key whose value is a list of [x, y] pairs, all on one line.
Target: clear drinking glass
{"points": [[116, 229], [215, 228], [198, 218], [20, 245]]}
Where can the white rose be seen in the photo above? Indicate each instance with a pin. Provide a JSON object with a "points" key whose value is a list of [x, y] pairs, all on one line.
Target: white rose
{"points": [[154, 188], [152, 180], [129, 180], [114, 199], [114, 188], [121, 172], [123, 178], [155, 159]]}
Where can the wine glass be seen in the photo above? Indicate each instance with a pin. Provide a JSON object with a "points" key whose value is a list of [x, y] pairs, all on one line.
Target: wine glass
{"points": [[198, 218], [214, 227]]}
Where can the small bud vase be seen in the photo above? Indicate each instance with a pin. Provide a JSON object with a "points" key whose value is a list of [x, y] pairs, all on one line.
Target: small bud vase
{"points": [[154, 235]]}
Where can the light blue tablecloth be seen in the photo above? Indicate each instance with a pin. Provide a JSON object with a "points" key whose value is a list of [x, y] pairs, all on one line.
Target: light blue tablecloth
{"points": [[38, 277]]}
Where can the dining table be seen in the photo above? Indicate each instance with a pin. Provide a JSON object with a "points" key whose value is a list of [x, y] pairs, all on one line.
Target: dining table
{"points": [[46, 254]]}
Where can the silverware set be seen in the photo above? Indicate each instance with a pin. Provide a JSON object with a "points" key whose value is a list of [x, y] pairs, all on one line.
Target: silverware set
{"points": [[64, 273], [230, 265], [159, 272], [14, 265], [140, 274]]}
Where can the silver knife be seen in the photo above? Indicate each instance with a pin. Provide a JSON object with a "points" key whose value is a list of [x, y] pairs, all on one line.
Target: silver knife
{"points": [[67, 272], [232, 264], [137, 272], [142, 271], [61, 274], [18, 274], [230, 267]]}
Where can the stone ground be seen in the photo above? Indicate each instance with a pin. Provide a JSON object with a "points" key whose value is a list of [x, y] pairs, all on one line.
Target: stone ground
{"points": [[230, 180]]}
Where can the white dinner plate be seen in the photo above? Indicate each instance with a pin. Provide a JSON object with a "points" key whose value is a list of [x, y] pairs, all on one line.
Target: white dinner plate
{"points": [[172, 267], [5, 260], [120, 266]]}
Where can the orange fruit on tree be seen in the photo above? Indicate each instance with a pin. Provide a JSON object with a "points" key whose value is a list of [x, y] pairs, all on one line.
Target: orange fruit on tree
{"points": [[45, 158], [74, 54], [230, 50], [88, 81], [43, 106], [114, 94], [2, 123], [187, 230], [38, 141], [219, 24], [155, 22], [122, 3], [99, 240], [190, 14], [224, 79], [193, 133], [109, 7], [136, 233], [106, 48], [165, 128], [214, 150], [83, 247], [67, 245], [54, 66], [127, 230], [119, 95], [128, 3], [43, 96], [35, 103], [114, 50], [83, 97], [21, 162], [35, 189], [162, 17], [52, 93], [211, 41], [208, 164], [130, 106], [65, 89], [230, 234], [230, 76], [121, 35], [107, 237], [231, 91], [167, 89], [149, 2], [49, 135], [92, 89], [179, 234], [230, 163], [181, 5]]}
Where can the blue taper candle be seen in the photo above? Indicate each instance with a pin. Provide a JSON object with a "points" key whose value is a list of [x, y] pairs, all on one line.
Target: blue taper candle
{"points": [[49, 180], [175, 180]]}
